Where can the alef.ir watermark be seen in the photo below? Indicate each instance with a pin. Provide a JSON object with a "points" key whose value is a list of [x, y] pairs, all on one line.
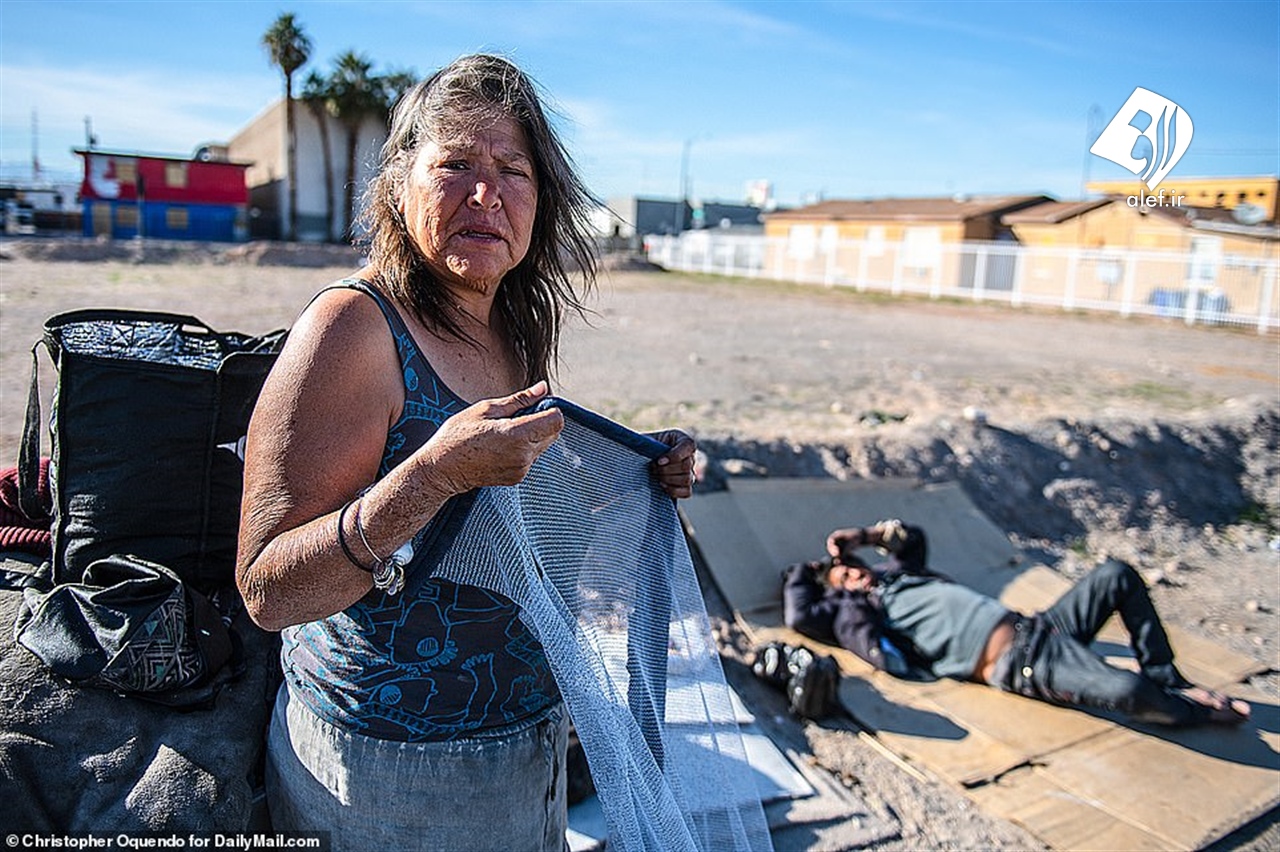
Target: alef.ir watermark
{"points": [[1147, 136], [1143, 199]]}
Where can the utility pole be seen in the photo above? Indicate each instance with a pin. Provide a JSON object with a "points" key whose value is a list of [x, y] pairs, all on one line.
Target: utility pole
{"points": [[683, 203], [1090, 136], [35, 147]]}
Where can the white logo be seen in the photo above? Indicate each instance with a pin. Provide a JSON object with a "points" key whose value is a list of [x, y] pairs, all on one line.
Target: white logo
{"points": [[1165, 127]]}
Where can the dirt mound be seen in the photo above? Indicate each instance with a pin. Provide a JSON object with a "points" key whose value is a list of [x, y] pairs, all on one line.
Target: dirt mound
{"points": [[292, 254], [1059, 479], [261, 253], [627, 262]]}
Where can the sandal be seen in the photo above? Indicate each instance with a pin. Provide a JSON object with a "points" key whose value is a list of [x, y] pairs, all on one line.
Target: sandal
{"points": [[1220, 709]]}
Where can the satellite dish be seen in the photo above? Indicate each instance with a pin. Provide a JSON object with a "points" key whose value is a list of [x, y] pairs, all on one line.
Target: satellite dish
{"points": [[1248, 214]]}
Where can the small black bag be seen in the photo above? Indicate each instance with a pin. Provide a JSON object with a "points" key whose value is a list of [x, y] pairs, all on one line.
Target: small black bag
{"points": [[148, 423], [131, 627], [809, 680]]}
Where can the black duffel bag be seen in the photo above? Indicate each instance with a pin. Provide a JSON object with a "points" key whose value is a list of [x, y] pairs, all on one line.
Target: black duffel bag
{"points": [[148, 424]]}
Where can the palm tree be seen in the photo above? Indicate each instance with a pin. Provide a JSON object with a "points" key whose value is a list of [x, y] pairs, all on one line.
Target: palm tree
{"points": [[316, 94], [289, 49], [394, 85], [355, 94]]}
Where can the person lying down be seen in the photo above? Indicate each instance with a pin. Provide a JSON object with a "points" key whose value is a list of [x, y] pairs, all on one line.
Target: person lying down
{"points": [[910, 621]]}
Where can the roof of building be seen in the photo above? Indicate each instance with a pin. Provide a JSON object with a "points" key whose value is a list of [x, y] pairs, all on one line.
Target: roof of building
{"points": [[1052, 212], [958, 208], [1219, 219], [142, 155]]}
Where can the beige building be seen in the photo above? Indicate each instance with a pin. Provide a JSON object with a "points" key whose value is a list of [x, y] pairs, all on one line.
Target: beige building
{"points": [[263, 143], [1156, 252], [903, 239], [1109, 253]]}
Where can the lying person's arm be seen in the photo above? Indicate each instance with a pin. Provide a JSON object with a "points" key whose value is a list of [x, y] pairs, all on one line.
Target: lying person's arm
{"points": [[848, 620], [806, 607], [859, 627]]}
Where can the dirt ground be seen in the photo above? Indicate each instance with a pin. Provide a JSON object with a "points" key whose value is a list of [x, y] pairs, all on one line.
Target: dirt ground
{"points": [[1078, 434]]}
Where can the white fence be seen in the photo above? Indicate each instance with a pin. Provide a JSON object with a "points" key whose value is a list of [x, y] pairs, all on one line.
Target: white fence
{"points": [[1203, 287]]}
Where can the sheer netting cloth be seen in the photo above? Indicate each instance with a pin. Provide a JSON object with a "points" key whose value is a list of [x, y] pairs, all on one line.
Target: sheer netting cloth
{"points": [[592, 551]]}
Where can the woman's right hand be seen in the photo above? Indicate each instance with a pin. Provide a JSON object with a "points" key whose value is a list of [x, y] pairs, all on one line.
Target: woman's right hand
{"points": [[489, 443]]}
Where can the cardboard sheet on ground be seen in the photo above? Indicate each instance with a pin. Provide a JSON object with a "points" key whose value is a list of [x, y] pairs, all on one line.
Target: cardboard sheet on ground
{"points": [[1074, 779], [795, 798]]}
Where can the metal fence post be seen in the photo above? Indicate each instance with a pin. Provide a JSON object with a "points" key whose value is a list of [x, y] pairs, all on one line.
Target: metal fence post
{"points": [[979, 272], [1015, 293], [1126, 298], [1268, 292], [1069, 291]]}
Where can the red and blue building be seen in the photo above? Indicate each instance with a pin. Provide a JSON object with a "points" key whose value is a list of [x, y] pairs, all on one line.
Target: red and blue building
{"points": [[126, 195]]}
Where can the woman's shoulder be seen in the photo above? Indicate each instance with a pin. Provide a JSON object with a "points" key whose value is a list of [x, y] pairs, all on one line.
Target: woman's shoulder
{"points": [[339, 323], [347, 301]]}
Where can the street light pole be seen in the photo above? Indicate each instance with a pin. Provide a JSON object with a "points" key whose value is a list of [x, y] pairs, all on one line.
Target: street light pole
{"points": [[683, 203]]}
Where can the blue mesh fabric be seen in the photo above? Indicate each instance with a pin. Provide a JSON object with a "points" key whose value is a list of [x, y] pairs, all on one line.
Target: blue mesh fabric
{"points": [[592, 551]]}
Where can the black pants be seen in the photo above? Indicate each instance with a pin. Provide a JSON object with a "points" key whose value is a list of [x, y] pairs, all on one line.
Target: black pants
{"points": [[1051, 659]]}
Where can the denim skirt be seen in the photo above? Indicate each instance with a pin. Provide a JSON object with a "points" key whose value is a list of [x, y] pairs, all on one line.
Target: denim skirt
{"points": [[503, 789]]}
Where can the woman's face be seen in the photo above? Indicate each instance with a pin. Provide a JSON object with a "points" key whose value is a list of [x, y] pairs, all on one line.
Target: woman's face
{"points": [[469, 205]]}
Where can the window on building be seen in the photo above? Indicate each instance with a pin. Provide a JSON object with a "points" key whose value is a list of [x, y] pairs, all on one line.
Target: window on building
{"points": [[126, 170], [177, 219], [101, 212], [175, 175], [1206, 255], [802, 242], [875, 241], [830, 238], [922, 249], [126, 216]]}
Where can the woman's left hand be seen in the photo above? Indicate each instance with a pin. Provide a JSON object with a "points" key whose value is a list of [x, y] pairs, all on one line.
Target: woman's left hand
{"points": [[674, 469]]}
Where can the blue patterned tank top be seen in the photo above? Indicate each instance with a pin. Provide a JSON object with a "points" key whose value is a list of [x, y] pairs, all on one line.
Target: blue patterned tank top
{"points": [[438, 662]]}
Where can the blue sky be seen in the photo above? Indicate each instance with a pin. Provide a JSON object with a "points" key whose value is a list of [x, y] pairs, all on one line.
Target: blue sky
{"points": [[833, 99]]}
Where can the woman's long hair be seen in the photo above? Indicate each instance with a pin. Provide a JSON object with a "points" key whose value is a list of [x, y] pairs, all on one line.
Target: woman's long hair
{"points": [[467, 95]]}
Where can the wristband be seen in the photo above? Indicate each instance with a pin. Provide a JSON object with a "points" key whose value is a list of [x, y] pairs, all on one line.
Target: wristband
{"points": [[342, 538]]}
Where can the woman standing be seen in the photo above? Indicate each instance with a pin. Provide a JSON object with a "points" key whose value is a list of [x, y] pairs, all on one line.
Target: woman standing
{"points": [[428, 720]]}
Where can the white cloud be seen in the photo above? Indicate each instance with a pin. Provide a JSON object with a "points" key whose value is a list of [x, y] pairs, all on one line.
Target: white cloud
{"points": [[129, 110]]}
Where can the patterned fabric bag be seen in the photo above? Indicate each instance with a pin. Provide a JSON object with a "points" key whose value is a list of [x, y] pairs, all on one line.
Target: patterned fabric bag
{"points": [[132, 627]]}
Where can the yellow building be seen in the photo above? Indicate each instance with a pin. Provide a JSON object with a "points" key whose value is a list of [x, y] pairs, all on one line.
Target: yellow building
{"points": [[1227, 193], [1155, 249], [1112, 253], [1116, 223]]}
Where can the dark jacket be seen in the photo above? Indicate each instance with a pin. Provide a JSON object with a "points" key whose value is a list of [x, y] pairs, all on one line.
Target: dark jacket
{"points": [[855, 620]]}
